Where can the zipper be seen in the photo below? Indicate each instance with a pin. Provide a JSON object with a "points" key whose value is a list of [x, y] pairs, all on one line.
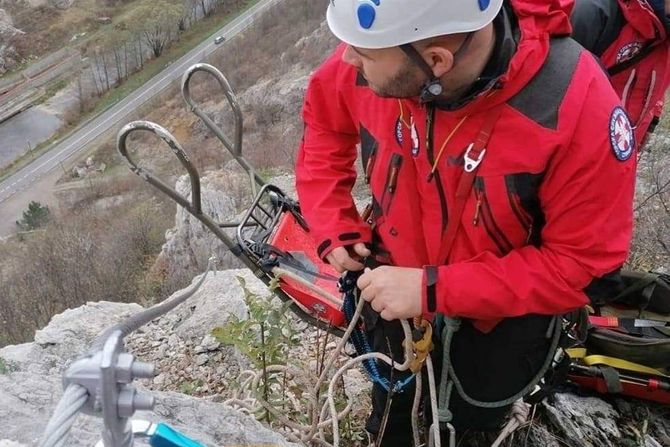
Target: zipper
{"points": [[648, 96], [391, 182], [435, 174], [484, 215], [525, 219], [370, 163], [626, 90]]}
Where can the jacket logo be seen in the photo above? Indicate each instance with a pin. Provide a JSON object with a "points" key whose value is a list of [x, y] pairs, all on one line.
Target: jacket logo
{"points": [[398, 132], [622, 137], [628, 51]]}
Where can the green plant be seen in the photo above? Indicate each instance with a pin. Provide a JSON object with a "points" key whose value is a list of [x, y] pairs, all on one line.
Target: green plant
{"points": [[266, 336], [34, 217], [4, 369], [189, 387]]}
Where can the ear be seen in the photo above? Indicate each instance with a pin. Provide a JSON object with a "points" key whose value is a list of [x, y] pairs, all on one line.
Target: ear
{"points": [[439, 59]]}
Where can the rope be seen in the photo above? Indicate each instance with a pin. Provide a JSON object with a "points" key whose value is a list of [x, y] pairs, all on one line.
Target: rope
{"points": [[362, 345], [324, 414], [518, 417], [72, 401], [451, 326]]}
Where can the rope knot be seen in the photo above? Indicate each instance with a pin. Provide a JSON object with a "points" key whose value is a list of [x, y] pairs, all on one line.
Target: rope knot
{"points": [[444, 415]]}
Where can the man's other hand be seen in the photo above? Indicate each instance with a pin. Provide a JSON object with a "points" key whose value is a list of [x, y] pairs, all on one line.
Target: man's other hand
{"points": [[347, 258], [394, 292]]}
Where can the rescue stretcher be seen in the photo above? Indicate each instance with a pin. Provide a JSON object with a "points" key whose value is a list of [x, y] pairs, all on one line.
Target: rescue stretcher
{"points": [[272, 239]]}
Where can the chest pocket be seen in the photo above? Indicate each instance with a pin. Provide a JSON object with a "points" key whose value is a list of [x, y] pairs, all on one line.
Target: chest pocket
{"points": [[507, 210]]}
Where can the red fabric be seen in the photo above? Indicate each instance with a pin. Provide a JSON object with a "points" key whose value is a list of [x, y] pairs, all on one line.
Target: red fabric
{"points": [[642, 86], [585, 193]]}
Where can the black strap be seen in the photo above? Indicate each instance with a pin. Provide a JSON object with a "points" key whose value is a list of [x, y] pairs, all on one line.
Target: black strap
{"points": [[644, 52]]}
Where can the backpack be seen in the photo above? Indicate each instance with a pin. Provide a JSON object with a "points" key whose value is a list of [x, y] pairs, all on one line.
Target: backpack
{"points": [[626, 349]]}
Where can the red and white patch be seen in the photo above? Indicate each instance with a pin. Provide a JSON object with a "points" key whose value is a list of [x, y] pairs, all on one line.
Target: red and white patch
{"points": [[628, 51], [622, 137]]}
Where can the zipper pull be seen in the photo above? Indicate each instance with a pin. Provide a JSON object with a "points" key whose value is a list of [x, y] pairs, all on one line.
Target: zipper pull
{"points": [[530, 232], [478, 207], [393, 179], [368, 168]]}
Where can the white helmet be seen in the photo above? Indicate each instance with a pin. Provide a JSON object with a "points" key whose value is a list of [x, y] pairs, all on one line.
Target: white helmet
{"points": [[390, 23]]}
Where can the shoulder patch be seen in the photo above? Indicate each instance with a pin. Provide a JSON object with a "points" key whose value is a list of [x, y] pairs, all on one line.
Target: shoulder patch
{"points": [[622, 137]]}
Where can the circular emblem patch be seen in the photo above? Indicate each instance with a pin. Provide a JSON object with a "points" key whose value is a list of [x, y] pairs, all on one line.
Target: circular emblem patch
{"points": [[627, 51], [622, 137]]}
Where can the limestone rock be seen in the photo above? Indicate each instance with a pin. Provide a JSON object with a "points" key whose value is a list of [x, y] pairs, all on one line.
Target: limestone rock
{"points": [[190, 244], [61, 4], [32, 385]]}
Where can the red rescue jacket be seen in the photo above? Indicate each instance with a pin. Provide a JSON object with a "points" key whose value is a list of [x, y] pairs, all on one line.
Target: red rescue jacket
{"points": [[642, 84], [550, 209]]}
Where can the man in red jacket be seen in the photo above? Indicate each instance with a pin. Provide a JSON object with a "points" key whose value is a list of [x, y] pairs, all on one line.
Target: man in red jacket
{"points": [[631, 40], [501, 167]]}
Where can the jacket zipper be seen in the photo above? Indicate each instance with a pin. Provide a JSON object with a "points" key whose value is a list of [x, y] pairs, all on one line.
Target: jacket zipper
{"points": [[523, 217], [430, 117], [370, 164], [484, 214], [391, 182]]}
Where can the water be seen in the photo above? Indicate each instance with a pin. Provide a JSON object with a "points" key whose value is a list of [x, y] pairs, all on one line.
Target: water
{"points": [[24, 131]]}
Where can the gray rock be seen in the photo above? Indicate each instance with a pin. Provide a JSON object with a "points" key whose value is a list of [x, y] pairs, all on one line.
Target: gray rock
{"points": [[219, 297], [8, 56], [61, 4], [8, 443], [190, 244], [583, 421], [31, 388]]}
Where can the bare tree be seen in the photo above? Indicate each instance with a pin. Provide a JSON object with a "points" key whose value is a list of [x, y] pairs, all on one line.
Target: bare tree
{"points": [[157, 22]]}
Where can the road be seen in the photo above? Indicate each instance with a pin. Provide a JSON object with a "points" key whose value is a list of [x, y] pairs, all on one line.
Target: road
{"points": [[76, 141]]}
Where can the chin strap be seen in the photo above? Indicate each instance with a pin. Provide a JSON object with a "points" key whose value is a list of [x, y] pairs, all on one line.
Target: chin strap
{"points": [[432, 89]]}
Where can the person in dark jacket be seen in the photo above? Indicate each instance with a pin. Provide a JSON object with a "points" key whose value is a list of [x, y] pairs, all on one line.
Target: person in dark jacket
{"points": [[631, 39], [501, 167]]}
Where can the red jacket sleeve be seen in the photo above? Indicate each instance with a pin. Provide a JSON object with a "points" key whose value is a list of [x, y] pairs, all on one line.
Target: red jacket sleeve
{"points": [[587, 199], [325, 172]]}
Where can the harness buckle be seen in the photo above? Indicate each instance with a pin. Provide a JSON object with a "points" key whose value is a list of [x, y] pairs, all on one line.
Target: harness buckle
{"points": [[470, 163]]}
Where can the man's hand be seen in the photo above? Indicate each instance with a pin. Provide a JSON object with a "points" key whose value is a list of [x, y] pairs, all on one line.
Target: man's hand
{"points": [[394, 292], [346, 258]]}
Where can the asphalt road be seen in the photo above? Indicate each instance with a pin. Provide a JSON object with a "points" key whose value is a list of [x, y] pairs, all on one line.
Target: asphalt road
{"points": [[20, 181]]}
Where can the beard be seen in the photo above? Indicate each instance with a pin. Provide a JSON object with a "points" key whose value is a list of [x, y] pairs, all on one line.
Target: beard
{"points": [[407, 82]]}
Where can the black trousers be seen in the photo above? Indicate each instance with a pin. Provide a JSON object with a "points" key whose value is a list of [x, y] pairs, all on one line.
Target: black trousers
{"points": [[491, 367]]}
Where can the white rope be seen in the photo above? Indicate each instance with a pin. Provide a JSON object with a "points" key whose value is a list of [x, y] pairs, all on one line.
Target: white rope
{"points": [[518, 417], [324, 414]]}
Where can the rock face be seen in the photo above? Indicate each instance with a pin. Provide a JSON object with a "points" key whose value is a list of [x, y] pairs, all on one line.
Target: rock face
{"points": [[61, 4], [30, 382], [8, 55], [192, 361], [189, 244]]}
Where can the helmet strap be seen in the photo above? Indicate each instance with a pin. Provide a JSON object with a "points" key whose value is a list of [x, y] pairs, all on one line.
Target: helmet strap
{"points": [[432, 89]]}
